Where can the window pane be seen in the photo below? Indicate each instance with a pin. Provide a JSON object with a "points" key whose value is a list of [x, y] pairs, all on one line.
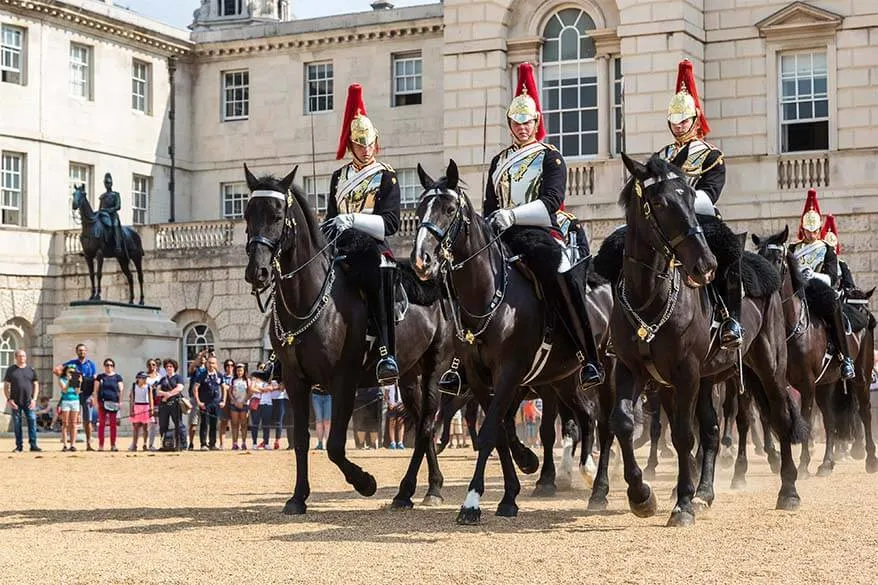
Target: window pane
{"points": [[569, 98], [550, 51], [805, 110], [589, 144], [588, 96], [789, 88], [569, 44], [589, 120], [789, 111], [821, 109], [819, 86], [587, 49], [569, 16], [819, 60], [570, 145], [554, 122], [787, 64], [551, 99], [804, 87], [553, 28], [569, 122]]}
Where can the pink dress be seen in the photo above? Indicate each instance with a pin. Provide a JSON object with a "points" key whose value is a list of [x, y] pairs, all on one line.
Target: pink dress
{"points": [[141, 405]]}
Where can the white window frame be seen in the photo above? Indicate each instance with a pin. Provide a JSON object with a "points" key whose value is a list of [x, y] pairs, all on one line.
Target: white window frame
{"points": [[10, 342], [141, 185], [617, 107], [560, 69], [238, 8], [409, 81], [77, 174], [81, 71], [797, 100], [13, 46], [410, 188], [317, 74], [317, 190], [196, 338], [233, 199], [235, 91], [13, 175], [141, 86]]}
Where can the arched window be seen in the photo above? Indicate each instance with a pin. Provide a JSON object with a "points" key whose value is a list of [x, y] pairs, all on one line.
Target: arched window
{"points": [[197, 338], [10, 342], [570, 83]]}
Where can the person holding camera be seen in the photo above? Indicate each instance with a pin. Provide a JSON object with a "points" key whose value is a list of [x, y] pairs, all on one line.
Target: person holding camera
{"points": [[70, 384], [169, 393], [88, 370], [210, 394], [108, 390]]}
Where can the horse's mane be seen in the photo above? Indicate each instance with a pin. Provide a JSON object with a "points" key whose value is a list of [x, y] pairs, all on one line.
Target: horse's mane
{"points": [[793, 267], [657, 167], [272, 183]]}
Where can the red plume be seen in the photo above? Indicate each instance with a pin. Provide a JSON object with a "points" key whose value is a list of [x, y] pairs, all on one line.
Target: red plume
{"points": [[811, 204], [353, 107], [829, 226], [685, 76], [526, 80]]}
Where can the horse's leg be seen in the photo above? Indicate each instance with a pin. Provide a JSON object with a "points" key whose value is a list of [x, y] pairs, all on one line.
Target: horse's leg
{"points": [[527, 460], [505, 393], [708, 430], [730, 411], [687, 387], [742, 418], [99, 273], [430, 402], [126, 270], [507, 507], [138, 264], [570, 433], [300, 403], [546, 483], [866, 416], [808, 391], [641, 498], [655, 433], [342, 408], [409, 483], [824, 403], [90, 261], [587, 466], [597, 501], [768, 443], [446, 413], [471, 417]]}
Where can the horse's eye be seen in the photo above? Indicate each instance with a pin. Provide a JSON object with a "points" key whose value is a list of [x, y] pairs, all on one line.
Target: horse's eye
{"points": [[450, 209]]}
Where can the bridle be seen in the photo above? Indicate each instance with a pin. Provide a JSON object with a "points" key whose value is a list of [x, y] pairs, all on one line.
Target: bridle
{"points": [[447, 238], [668, 244], [804, 319]]}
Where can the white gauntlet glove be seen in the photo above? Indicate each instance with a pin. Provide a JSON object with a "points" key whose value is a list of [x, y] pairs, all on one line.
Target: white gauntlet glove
{"points": [[501, 220], [367, 223]]}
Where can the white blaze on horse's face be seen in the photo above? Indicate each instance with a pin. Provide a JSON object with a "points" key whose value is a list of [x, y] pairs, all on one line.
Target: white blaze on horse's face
{"points": [[421, 262]]}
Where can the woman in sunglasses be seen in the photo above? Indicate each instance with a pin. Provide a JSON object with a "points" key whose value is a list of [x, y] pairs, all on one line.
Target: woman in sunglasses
{"points": [[108, 389]]}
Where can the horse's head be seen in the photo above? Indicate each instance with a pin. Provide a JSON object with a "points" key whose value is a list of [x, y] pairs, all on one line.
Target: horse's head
{"points": [[859, 300], [660, 211], [266, 217], [774, 247], [79, 196], [442, 213]]}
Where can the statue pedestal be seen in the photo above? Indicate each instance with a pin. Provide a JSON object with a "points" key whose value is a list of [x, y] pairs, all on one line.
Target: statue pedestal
{"points": [[129, 334]]}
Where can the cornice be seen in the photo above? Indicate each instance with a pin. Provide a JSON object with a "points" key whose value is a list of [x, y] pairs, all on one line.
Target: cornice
{"points": [[799, 20], [311, 41], [99, 24]]}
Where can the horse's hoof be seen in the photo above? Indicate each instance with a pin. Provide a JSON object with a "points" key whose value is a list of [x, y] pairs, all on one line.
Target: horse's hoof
{"points": [[295, 507], [774, 462], [858, 452], [646, 508], [430, 500], [544, 490], [367, 486], [564, 481], [700, 505], [440, 447], [649, 473], [505, 510], [401, 504], [141, 303], [738, 483], [825, 470], [788, 502], [681, 518], [469, 516], [726, 461], [759, 451], [598, 504], [872, 464], [527, 461], [802, 473], [667, 453]]}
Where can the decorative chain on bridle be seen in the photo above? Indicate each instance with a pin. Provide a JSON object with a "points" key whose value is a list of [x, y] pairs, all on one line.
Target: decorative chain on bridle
{"points": [[447, 239]]}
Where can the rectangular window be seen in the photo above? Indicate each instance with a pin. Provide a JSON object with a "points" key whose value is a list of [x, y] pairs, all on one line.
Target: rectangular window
{"points": [[318, 87], [141, 74], [235, 197], [618, 107], [406, 80], [409, 188], [11, 54], [80, 71], [230, 7], [11, 188], [78, 174], [804, 103], [236, 95], [570, 106], [139, 199], [317, 190]]}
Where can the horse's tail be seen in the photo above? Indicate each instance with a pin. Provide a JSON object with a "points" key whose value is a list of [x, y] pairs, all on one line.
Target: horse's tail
{"points": [[845, 409], [799, 429]]}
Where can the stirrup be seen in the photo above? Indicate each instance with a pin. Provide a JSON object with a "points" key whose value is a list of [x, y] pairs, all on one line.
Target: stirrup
{"points": [[450, 381], [731, 334], [387, 371], [847, 368]]}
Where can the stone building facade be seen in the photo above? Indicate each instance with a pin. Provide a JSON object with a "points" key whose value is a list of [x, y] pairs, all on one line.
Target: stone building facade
{"points": [[788, 87]]}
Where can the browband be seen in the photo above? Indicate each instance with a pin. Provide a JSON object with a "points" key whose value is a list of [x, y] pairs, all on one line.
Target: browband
{"points": [[266, 193], [653, 180]]}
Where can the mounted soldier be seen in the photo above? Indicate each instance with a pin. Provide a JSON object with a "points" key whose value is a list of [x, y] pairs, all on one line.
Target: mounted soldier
{"points": [[364, 196], [819, 265], [108, 213], [525, 191], [706, 173], [830, 236]]}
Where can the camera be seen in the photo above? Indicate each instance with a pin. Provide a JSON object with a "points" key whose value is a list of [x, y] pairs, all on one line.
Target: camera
{"points": [[75, 379]]}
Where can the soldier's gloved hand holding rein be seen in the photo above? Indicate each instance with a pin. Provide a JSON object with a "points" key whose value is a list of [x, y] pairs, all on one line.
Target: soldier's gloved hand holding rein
{"points": [[501, 220], [532, 214], [367, 223], [807, 273]]}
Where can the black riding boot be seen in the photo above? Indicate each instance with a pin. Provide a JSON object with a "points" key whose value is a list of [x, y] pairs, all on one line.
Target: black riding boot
{"points": [[730, 330], [386, 370], [841, 344], [117, 232], [573, 310]]}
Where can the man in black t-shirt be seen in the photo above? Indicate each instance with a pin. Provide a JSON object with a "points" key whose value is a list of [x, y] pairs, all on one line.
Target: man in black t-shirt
{"points": [[210, 394], [21, 387]]}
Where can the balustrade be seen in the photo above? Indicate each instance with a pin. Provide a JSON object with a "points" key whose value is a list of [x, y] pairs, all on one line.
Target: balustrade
{"points": [[798, 173]]}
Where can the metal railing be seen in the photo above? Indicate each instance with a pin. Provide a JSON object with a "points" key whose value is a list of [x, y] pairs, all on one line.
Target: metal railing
{"points": [[797, 173]]}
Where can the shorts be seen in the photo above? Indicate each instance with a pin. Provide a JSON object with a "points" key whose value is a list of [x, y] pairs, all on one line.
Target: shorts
{"points": [[322, 406], [70, 405], [141, 414], [236, 408], [224, 413], [193, 419]]}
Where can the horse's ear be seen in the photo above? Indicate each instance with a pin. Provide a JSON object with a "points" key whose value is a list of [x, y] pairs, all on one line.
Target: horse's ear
{"points": [[251, 180], [636, 169], [756, 240], [869, 294], [680, 160], [426, 180], [287, 181], [452, 176], [785, 234]]}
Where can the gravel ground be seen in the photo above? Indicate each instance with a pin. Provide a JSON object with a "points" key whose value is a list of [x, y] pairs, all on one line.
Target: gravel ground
{"points": [[215, 517]]}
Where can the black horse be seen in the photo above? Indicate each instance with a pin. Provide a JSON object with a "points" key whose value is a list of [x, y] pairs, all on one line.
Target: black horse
{"points": [[500, 323], [96, 239], [807, 310], [661, 330], [318, 330]]}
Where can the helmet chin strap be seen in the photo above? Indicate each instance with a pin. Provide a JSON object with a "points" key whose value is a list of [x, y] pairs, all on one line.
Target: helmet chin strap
{"points": [[687, 136], [361, 163]]}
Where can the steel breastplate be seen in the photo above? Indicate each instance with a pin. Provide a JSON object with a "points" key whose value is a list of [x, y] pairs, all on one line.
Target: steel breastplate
{"points": [[361, 198], [811, 255], [520, 183], [694, 165]]}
